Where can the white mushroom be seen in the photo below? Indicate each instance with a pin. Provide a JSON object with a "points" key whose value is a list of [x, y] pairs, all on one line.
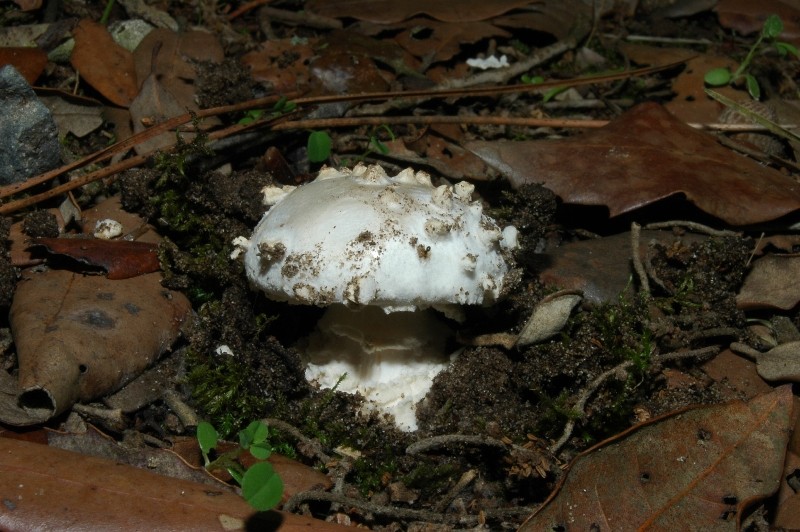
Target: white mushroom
{"points": [[379, 251]]}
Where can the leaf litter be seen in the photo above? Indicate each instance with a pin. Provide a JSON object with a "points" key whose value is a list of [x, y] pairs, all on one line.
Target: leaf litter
{"points": [[501, 421]]}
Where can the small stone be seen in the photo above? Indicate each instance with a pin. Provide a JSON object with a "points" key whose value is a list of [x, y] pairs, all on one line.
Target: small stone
{"points": [[28, 134]]}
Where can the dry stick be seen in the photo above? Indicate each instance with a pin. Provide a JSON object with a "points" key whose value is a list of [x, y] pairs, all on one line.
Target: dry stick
{"points": [[378, 509], [85, 179], [580, 404], [692, 226], [314, 445], [435, 442], [325, 123], [400, 513], [636, 232], [260, 102]]}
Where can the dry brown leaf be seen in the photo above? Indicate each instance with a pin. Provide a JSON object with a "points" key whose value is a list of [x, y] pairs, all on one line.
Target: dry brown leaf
{"points": [[644, 156], [28, 61], [388, 11], [443, 40], [282, 63], [746, 16], [122, 259], [80, 337], [771, 283], [65, 490], [105, 65], [690, 103], [169, 55], [699, 468]]}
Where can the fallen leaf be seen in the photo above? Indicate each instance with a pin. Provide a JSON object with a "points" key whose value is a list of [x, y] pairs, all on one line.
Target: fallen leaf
{"points": [[281, 62], [155, 104], [80, 120], [28, 60], [62, 490], [781, 363], [122, 259], [737, 374], [105, 65], [388, 11], [699, 468], [690, 103], [771, 283], [747, 17], [80, 337], [644, 156], [169, 57], [442, 41], [600, 268]]}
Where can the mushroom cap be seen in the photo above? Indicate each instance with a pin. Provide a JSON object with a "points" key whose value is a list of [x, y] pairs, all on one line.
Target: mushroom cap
{"points": [[360, 237]]}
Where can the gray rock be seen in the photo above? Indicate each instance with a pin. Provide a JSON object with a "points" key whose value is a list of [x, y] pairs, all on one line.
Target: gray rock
{"points": [[28, 134]]}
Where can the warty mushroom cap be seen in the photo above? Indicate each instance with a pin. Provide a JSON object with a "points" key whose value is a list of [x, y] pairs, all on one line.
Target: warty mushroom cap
{"points": [[360, 237]]}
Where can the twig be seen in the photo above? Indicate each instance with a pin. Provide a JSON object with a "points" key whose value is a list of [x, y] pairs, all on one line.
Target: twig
{"points": [[636, 232], [580, 404], [311, 444], [692, 226], [379, 509], [326, 123], [465, 480], [434, 442]]}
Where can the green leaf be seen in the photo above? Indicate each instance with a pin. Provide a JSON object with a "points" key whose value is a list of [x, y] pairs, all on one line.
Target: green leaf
{"points": [[207, 438], [379, 146], [261, 450], [255, 432], [717, 77], [262, 487], [773, 27], [319, 146], [531, 79], [752, 87], [785, 48]]}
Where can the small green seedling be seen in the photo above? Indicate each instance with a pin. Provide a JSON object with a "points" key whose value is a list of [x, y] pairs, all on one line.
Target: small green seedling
{"points": [[261, 486], [773, 26], [281, 107], [319, 146], [548, 95]]}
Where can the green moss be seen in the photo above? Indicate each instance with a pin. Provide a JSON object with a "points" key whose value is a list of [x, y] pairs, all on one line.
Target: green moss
{"points": [[219, 388]]}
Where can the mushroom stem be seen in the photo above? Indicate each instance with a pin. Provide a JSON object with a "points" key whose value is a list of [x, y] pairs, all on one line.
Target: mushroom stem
{"points": [[390, 358]]}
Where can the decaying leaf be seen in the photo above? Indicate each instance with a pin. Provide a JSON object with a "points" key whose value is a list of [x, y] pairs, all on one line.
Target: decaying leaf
{"points": [[79, 337], [772, 283], [644, 156], [122, 259], [80, 120], [63, 489], [701, 466], [105, 65], [28, 60]]}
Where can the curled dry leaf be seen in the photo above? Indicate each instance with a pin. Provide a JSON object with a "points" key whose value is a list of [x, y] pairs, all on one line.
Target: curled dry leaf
{"points": [[644, 156], [701, 466], [122, 259], [79, 337]]}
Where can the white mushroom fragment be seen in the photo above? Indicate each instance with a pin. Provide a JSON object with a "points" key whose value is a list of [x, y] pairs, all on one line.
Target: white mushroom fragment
{"points": [[379, 251]]}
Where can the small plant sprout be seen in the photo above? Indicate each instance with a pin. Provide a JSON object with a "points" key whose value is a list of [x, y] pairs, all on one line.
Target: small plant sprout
{"points": [[261, 486], [773, 26], [319, 146]]}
